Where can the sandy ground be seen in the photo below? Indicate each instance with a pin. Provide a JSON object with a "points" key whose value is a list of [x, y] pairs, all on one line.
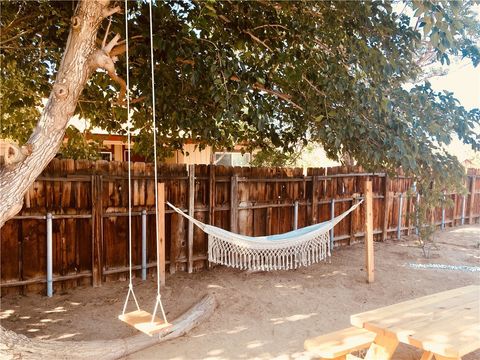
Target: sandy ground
{"points": [[260, 315]]}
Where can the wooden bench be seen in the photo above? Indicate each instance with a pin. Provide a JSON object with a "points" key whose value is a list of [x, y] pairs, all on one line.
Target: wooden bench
{"points": [[338, 344]]}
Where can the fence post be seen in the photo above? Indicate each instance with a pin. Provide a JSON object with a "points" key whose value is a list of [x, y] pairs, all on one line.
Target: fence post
{"points": [[416, 216], [314, 219], [191, 212], [161, 232], [212, 198], [472, 200], [234, 203], [369, 231], [97, 224], [144, 244], [386, 207], [332, 216], [400, 210], [295, 215], [49, 256]]}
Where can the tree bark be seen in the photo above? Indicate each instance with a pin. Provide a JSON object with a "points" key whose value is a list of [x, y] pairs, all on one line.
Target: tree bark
{"points": [[14, 346], [76, 67]]}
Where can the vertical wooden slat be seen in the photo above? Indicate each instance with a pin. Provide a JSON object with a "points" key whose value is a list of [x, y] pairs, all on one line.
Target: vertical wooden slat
{"points": [[314, 218], [97, 238], [191, 212], [386, 207], [234, 203], [161, 232], [211, 199], [369, 231], [353, 221], [472, 200]]}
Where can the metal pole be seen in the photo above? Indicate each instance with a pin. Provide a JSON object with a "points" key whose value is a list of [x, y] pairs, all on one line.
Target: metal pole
{"points": [[463, 210], [400, 209], [443, 215], [332, 216], [416, 216], [49, 256], [295, 215], [144, 244]]}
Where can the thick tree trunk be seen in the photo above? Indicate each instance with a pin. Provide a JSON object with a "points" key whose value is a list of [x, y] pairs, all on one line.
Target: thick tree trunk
{"points": [[76, 67], [14, 346]]}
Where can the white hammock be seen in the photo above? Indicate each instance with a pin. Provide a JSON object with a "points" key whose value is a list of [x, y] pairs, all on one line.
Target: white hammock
{"points": [[302, 247]]}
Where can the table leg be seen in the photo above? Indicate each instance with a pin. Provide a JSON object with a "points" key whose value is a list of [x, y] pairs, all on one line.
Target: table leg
{"points": [[382, 348], [427, 355]]}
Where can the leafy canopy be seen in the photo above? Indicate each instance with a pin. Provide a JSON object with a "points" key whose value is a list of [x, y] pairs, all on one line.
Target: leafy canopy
{"points": [[269, 74]]}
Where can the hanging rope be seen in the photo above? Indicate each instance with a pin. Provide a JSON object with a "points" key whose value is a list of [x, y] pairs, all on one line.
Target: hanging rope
{"points": [[154, 129], [127, 95]]}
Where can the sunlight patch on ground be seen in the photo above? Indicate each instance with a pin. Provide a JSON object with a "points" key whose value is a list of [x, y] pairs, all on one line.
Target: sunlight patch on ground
{"points": [[215, 352], [213, 286], [56, 310], [6, 314], [255, 344], [67, 336], [237, 330], [298, 317]]}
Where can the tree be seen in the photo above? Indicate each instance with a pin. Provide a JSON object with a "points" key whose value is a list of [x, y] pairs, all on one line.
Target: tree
{"points": [[275, 73], [272, 74]]}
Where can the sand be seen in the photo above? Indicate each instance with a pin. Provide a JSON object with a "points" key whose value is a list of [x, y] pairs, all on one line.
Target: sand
{"points": [[260, 315]]}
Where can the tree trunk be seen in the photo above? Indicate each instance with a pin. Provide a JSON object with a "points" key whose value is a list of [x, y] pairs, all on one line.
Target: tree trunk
{"points": [[14, 346], [76, 67]]}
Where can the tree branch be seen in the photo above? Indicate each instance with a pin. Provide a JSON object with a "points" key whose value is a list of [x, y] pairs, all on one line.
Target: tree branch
{"points": [[286, 97], [254, 38]]}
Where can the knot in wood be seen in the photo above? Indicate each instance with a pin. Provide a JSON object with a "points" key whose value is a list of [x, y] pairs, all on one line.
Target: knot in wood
{"points": [[75, 22], [61, 91]]}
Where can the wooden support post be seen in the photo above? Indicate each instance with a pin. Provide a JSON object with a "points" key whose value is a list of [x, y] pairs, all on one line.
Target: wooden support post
{"points": [[191, 212], [368, 206], [161, 231], [455, 214], [462, 219], [97, 230], [472, 200], [386, 207], [314, 218], [234, 204]]}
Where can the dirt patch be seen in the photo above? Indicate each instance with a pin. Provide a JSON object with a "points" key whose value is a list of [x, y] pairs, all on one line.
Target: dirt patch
{"points": [[260, 315]]}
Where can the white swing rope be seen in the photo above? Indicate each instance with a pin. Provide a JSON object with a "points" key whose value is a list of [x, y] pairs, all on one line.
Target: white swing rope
{"points": [[154, 129], [127, 95]]}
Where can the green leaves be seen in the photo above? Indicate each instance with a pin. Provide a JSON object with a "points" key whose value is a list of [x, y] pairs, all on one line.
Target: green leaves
{"points": [[272, 75]]}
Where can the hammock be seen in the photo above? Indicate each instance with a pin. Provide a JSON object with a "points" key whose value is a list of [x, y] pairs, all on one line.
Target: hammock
{"points": [[302, 247]]}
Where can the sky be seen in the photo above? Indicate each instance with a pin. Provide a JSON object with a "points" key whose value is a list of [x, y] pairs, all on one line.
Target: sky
{"points": [[464, 81]]}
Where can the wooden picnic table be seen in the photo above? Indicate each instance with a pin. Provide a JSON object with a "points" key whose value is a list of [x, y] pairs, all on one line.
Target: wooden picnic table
{"points": [[445, 325]]}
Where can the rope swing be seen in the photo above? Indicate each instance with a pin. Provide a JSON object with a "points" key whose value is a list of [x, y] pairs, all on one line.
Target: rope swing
{"points": [[140, 319]]}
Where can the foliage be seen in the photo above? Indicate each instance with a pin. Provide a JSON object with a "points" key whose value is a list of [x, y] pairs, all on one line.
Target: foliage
{"points": [[275, 75], [431, 196], [78, 146]]}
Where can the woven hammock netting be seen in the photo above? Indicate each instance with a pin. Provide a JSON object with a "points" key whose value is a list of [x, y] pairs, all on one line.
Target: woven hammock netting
{"points": [[291, 250]]}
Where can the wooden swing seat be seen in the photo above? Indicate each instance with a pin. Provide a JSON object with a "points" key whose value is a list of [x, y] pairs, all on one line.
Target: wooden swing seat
{"points": [[142, 320]]}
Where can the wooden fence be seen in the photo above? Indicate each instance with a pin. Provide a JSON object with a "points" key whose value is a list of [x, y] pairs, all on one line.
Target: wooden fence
{"points": [[88, 203]]}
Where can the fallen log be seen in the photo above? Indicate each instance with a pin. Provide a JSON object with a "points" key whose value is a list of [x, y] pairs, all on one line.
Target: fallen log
{"points": [[16, 346]]}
